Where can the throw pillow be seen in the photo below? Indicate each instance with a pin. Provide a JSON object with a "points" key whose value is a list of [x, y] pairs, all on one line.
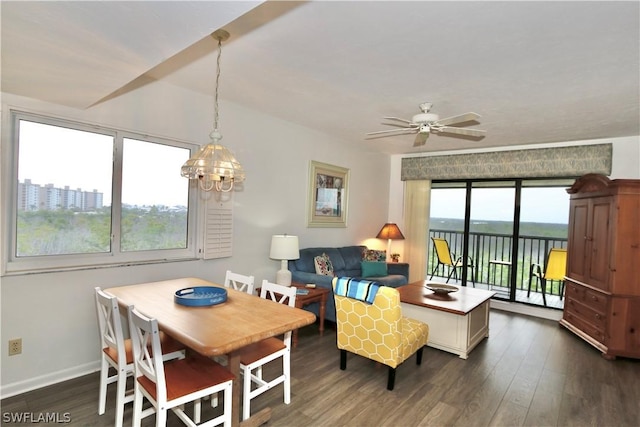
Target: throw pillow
{"points": [[373, 268], [374, 255], [323, 265]]}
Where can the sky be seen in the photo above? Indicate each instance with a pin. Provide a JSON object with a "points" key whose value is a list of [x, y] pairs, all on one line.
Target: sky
{"points": [[548, 205], [84, 160]]}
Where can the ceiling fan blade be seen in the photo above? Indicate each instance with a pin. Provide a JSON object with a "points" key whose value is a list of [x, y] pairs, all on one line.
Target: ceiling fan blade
{"points": [[394, 131], [409, 122], [421, 138], [466, 117], [403, 125], [461, 131]]}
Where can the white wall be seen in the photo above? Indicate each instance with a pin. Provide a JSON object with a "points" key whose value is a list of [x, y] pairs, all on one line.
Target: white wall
{"points": [[54, 314]]}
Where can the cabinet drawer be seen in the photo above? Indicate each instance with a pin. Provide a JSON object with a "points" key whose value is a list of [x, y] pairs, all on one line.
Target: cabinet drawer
{"points": [[574, 291], [593, 299], [586, 327], [596, 300], [586, 313]]}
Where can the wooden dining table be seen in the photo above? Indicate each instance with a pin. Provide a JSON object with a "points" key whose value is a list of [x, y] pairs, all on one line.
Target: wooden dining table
{"points": [[216, 330]]}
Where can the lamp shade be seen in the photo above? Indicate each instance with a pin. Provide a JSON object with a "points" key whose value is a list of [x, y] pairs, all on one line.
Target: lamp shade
{"points": [[390, 231], [284, 246]]}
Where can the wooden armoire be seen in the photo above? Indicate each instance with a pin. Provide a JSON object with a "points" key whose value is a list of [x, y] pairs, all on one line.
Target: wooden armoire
{"points": [[602, 286]]}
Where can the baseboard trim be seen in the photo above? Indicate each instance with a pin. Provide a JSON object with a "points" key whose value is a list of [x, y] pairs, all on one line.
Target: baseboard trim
{"points": [[528, 310], [13, 389]]}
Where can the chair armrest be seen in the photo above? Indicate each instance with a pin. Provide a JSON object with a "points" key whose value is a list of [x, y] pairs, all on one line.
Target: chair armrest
{"points": [[536, 270], [318, 279], [401, 268]]}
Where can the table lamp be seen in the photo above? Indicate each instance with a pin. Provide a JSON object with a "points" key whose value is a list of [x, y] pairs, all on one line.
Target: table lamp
{"points": [[284, 248], [390, 231]]}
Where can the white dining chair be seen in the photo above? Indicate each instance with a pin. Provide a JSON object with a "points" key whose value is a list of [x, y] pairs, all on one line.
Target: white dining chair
{"points": [[254, 356], [170, 385], [239, 282], [116, 353]]}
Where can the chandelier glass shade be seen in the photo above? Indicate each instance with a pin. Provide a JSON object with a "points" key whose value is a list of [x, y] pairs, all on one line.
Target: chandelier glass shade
{"points": [[214, 166]]}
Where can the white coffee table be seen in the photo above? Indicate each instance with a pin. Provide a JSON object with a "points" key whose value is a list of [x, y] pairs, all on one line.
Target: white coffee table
{"points": [[457, 321]]}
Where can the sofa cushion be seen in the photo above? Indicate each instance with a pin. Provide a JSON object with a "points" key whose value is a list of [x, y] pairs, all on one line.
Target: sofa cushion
{"points": [[373, 268], [374, 255], [323, 265], [307, 255], [351, 255]]}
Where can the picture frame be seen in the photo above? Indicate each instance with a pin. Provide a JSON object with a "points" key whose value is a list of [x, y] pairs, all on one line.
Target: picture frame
{"points": [[328, 195]]}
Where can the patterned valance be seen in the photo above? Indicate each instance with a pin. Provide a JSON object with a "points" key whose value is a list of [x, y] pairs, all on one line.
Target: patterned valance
{"points": [[535, 163]]}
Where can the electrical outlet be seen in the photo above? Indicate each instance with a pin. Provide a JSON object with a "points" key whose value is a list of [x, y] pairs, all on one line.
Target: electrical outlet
{"points": [[15, 346]]}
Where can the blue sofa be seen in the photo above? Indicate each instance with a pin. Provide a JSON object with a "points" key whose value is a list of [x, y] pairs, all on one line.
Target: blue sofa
{"points": [[346, 262]]}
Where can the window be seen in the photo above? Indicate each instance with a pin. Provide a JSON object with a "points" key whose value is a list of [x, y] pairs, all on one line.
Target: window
{"points": [[501, 228], [85, 196]]}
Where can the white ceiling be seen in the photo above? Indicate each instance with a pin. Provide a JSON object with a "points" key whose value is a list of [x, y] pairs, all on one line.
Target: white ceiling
{"points": [[536, 71]]}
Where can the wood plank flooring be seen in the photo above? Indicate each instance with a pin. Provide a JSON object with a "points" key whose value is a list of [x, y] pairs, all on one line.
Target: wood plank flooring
{"points": [[530, 372]]}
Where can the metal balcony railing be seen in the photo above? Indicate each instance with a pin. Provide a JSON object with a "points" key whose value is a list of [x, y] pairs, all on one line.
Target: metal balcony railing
{"points": [[485, 247]]}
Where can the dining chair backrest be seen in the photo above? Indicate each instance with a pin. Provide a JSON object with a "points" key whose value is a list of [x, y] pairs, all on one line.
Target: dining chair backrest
{"points": [[114, 356], [278, 293], [255, 356], [111, 335], [145, 335], [170, 386], [239, 282]]}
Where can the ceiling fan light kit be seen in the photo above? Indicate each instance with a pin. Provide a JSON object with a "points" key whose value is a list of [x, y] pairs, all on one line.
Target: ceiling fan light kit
{"points": [[426, 123]]}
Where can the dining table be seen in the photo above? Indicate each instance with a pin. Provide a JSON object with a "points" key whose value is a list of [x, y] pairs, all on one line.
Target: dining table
{"points": [[216, 330]]}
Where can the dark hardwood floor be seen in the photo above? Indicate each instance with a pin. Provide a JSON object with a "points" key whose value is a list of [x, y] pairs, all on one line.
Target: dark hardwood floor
{"points": [[530, 372]]}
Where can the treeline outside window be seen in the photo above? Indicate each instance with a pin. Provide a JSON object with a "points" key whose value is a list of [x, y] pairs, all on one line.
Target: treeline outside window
{"points": [[84, 196]]}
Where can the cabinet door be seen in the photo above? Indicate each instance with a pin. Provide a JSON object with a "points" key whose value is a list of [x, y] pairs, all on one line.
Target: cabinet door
{"points": [[599, 245], [577, 262]]}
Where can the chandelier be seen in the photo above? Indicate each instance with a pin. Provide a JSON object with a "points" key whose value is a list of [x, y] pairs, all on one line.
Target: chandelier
{"points": [[213, 165]]}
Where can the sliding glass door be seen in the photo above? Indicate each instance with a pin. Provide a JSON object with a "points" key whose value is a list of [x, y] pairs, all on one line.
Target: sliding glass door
{"points": [[491, 232], [544, 217], [501, 232]]}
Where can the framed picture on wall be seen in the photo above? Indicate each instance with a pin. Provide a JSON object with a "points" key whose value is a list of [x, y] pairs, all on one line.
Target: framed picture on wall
{"points": [[328, 191]]}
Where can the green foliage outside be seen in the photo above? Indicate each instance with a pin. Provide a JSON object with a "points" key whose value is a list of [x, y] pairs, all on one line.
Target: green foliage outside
{"points": [[537, 229], [66, 232], [492, 240]]}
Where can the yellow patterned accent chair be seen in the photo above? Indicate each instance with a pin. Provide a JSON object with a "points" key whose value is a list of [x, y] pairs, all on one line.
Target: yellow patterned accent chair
{"points": [[378, 331]]}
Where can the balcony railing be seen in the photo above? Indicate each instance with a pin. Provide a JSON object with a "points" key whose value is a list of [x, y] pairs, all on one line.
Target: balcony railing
{"points": [[485, 247]]}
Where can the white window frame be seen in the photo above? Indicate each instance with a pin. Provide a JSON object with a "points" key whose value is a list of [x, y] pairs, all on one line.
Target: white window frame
{"points": [[22, 265]]}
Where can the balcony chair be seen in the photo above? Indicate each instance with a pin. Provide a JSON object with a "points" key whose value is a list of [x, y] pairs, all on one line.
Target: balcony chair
{"points": [[445, 258], [370, 324], [556, 269], [117, 354], [239, 282], [172, 384], [254, 356]]}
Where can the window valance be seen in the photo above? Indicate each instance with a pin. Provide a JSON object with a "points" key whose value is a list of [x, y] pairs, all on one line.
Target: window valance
{"points": [[533, 163]]}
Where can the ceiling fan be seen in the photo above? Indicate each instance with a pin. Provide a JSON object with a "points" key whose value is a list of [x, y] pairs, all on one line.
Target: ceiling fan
{"points": [[425, 123]]}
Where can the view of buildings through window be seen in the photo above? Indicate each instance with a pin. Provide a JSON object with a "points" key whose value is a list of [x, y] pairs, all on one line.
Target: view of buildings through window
{"points": [[34, 197], [66, 181]]}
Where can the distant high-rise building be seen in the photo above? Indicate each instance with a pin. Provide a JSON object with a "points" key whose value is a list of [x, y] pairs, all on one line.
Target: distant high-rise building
{"points": [[33, 197]]}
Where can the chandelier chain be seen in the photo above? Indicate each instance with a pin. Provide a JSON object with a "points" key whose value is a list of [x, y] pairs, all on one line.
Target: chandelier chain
{"points": [[216, 117]]}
